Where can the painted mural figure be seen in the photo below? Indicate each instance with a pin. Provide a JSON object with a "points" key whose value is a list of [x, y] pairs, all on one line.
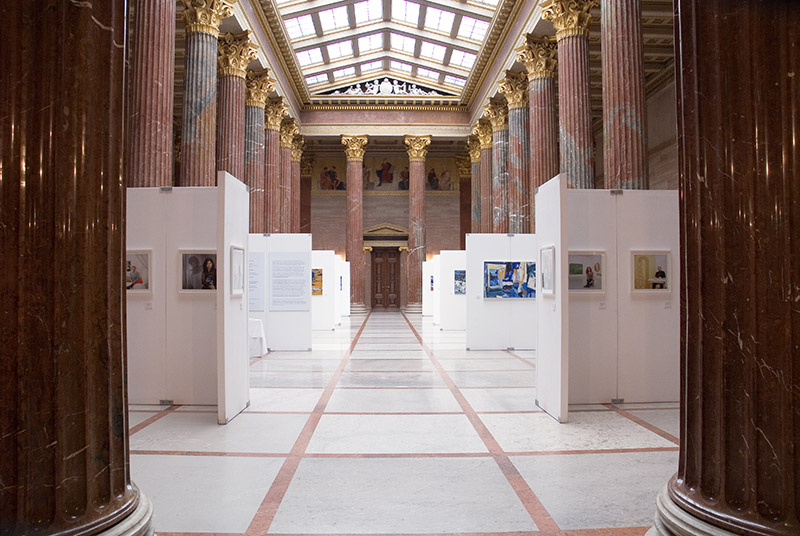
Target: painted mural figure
{"points": [[386, 173], [433, 180]]}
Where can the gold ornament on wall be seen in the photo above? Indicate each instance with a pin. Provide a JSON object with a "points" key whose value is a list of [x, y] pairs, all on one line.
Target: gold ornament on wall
{"points": [[515, 87], [259, 86], [539, 55], [483, 131], [570, 17], [497, 112], [205, 16], [417, 147], [274, 112]]}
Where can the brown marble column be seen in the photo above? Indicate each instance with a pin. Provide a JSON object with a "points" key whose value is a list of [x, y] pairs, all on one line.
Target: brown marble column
{"points": [[417, 148], [539, 57], [474, 148], [149, 147], [234, 52], [199, 130], [298, 146], [465, 197], [498, 116], [571, 19], [306, 166], [275, 110], [739, 468], [288, 131], [259, 85], [354, 149], [64, 467], [624, 109], [483, 130], [515, 88]]}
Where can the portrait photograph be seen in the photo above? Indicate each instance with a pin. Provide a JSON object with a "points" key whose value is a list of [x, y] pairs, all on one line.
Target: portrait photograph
{"points": [[198, 269], [650, 272], [586, 271], [137, 271]]}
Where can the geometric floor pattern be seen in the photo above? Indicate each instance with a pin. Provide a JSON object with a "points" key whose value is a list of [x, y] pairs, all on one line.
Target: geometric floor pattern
{"points": [[389, 426]]}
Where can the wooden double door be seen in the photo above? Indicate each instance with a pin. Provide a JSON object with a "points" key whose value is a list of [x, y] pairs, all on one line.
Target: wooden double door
{"points": [[385, 278]]}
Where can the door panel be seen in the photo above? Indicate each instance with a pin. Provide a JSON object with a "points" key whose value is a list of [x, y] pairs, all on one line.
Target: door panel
{"points": [[385, 278]]}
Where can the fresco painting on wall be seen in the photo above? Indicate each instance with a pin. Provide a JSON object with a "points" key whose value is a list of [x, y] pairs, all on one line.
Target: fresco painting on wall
{"points": [[387, 173]]}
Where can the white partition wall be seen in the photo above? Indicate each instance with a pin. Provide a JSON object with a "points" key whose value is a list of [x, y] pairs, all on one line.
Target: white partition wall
{"points": [[453, 298], [437, 290], [323, 306], [498, 323], [552, 349], [427, 288]]}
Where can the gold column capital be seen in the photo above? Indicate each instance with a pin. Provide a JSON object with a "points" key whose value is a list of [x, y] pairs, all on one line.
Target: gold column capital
{"points": [[289, 130], [570, 17], [234, 52], [403, 249], [306, 163], [354, 147], [298, 146], [367, 249], [205, 16], [483, 131], [417, 147], [539, 55], [464, 167], [259, 85], [498, 115], [515, 87], [274, 111], [474, 148]]}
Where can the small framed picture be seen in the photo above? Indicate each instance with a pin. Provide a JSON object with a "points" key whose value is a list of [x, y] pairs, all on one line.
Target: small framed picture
{"points": [[459, 282], [547, 260], [138, 270], [198, 270], [237, 271], [586, 270], [651, 272], [316, 281]]}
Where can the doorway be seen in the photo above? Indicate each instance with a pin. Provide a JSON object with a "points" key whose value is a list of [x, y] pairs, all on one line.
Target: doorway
{"points": [[385, 278]]}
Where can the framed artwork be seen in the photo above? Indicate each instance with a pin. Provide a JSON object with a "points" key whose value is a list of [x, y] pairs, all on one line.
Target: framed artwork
{"points": [[138, 267], [431, 283], [586, 269], [316, 281], [547, 259], [509, 279], [198, 270], [651, 272], [460, 282], [237, 271]]}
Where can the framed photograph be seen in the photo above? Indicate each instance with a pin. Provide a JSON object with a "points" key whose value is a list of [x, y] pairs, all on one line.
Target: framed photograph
{"points": [[198, 270], [547, 260], [509, 279], [138, 267], [237, 271], [651, 272], [586, 269], [460, 282], [316, 281]]}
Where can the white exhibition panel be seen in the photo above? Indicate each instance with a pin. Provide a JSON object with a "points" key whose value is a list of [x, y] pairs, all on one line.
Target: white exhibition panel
{"points": [[453, 306], [552, 350], [427, 288], [323, 307], [233, 361], [498, 323], [437, 289], [342, 289]]}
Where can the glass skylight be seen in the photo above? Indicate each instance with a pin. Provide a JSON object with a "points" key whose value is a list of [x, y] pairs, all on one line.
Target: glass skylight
{"points": [[299, 26], [340, 49], [368, 10], [405, 11], [308, 57], [370, 42], [317, 78], [403, 43], [371, 66], [427, 73], [436, 19], [344, 73], [331, 19], [461, 58], [400, 66], [456, 81], [430, 50], [487, 2], [473, 29]]}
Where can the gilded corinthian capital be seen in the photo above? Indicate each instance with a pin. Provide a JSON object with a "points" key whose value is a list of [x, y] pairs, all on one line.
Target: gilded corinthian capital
{"points": [[234, 52], [354, 147], [464, 167], [498, 115], [417, 147], [204, 16], [570, 17], [298, 146], [539, 55], [289, 130], [259, 86], [274, 112], [515, 87], [474, 148], [483, 131]]}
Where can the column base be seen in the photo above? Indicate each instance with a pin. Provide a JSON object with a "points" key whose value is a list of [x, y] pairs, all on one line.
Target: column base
{"points": [[413, 309], [672, 520], [138, 523], [358, 309]]}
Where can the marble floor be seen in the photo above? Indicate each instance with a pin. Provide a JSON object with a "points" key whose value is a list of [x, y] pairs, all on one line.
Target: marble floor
{"points": [[389, 426]]}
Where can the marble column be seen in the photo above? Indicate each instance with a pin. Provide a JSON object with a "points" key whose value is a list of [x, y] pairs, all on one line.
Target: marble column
{"points": [[417, 147], [624, 108], [274, 112], [199, 130], [474, 148], [298, 146], [498, 116], [539, 57], [483, 131], [306, 166], [258, 85], [571, 19], [288, 131], [465, 197], [354, 149], [515, 88], [149, 148], [64, 467], [739, 463], [234, 52]]}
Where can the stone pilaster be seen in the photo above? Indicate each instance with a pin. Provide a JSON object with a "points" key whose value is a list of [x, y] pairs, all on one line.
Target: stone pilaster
{"points": [[464, 197], [234, 52], [298, 146], [515, 88], [258, 85], [354, 149], [483, 131], [474, 148], [571, 19], [498, 117], [199, 130], [624, 109], [149, 148], [417, 147], [289, 130], [64, 468], [274, 112], [306, 166]]}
